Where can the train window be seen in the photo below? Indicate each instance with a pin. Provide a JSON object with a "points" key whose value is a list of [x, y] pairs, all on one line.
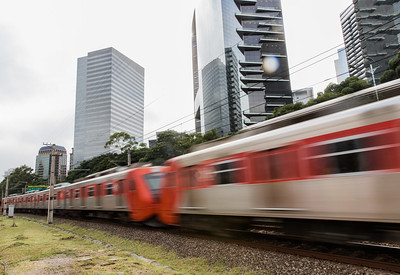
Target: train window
{"points": [[90, 191], [109, 189], [76, 193], [363, 152], [282, 164], [154, 181], [229, 171]]}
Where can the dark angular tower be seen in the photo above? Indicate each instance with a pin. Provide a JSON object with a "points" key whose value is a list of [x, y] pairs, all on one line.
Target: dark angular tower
{"points": [[264, 70]]}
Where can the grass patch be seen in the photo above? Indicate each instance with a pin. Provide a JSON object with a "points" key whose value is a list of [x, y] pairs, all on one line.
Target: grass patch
{"points": [[49, 243], [31, 246]]}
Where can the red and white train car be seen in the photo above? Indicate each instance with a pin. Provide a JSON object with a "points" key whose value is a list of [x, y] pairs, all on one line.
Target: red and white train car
{"points": [[130, 194], [333, 177]]}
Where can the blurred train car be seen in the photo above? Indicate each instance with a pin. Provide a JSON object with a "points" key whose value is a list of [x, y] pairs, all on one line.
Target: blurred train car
{"points": [[128, 194], [335, 178]]}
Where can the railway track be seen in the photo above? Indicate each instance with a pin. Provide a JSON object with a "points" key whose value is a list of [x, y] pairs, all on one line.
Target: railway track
{"points": [[373, 256]]}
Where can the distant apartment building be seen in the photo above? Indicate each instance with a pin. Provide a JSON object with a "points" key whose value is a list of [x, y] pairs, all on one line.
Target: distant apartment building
{"points": [[371, 35], [303, 95], [264, 69], [109, 99], [215, 56], [341, 67], [43, 162]]}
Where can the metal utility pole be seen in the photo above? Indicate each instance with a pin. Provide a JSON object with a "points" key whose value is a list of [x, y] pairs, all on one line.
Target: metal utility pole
{"points": [[373, 79], [5, 200], [129, 157], [52, 183]]}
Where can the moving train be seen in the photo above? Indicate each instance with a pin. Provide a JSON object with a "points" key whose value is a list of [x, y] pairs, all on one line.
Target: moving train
{"points": [[130, 194], [335, 177]]}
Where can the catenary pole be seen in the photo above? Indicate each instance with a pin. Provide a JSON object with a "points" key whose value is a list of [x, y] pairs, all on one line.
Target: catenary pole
{"points": [[5, 200], [51, 189]]}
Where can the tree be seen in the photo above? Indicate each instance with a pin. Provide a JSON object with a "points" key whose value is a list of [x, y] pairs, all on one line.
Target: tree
{"points": [[124, 141], [20, 178], [387, 76], [393, 71], [171, 144], [349, 85]]}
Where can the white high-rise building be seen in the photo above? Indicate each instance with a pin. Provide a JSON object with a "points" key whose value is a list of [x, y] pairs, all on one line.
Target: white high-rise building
{"points": [[109, 99]]}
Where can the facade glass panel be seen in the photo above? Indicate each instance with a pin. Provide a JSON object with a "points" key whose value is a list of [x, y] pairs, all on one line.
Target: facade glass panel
{"points": [[216, 67], [109, 99]]}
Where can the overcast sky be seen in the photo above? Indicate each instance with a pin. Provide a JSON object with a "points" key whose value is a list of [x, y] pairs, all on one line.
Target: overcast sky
{"points": [[40, 42]]}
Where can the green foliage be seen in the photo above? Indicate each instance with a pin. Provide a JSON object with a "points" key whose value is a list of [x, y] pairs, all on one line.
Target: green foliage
{"points": [[394, 62], [21, 177], [288, 108], [347, 90], [387, 76], [121, 140], [333, 88], [169, 144], [393, 71], [349, 85]]}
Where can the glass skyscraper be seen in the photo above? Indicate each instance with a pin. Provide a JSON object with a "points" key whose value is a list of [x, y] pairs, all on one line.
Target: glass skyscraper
{"points": [[216, 67], [240, 63], [43, 162], [371, 36], [109, 99]]}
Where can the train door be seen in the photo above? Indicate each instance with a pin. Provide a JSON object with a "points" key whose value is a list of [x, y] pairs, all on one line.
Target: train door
{"points": [[98, 194], [119, 193], [71, 198], [83, 195], [169, 200], [58, 196], [188, 182], [65, 198]]}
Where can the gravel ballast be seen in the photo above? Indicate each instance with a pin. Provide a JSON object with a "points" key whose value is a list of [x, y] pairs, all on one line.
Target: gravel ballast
{"points": [[231, 255]]}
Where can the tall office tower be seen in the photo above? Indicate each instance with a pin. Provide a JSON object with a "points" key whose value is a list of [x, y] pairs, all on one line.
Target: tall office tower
{"points": [[265, 70], [109, 99], [216, 58], [341, 67], [371, 36], [43, 162]]}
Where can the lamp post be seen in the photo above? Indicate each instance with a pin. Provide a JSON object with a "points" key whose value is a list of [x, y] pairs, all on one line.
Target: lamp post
{"points": [[372, 69]]}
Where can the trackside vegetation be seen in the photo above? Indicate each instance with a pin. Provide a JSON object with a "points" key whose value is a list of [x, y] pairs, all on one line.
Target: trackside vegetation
{"points": [[350, 85], [37, 248]]}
